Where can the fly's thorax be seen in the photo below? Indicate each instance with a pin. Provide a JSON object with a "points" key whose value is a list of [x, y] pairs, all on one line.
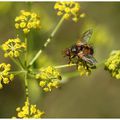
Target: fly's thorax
{"points": [[79, 43]]}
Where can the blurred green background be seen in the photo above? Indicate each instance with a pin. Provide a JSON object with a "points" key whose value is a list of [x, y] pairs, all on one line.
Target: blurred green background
{"points": [[97, 95]]}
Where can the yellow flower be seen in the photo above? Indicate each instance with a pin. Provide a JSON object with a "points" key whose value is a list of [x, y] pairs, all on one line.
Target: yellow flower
{"points": [[28, 111], [83, 69], [22, 24], [27, 21], [5, 76], [13, 47], [49, 78], [42, 83], [69, 9], [112, 64]]}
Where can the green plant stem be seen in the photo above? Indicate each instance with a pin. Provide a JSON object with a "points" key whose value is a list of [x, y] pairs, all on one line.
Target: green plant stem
{"points": [[26, 89], [17, 63], [26, 53], [64, 66], [26, 74], [35, 71], [17, 72], [26, 85], [20, 62], [47, 41]]}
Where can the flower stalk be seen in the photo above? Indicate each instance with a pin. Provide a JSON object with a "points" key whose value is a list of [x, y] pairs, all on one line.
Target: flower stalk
{"points": [[26, 53], [27, 91], [17, 63], [47, 41], [64, 66], [20, 62]]}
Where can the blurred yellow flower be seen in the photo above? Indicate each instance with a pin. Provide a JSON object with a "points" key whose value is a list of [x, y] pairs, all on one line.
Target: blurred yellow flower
{"points": [[49, 78], [27, 21], [13, 47], [5, 76], [83, 69], [28, 111], [112, 64], [69, 9]]}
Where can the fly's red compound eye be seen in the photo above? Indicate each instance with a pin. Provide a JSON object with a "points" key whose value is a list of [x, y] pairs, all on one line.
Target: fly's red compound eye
{"points": [[67, 52]]}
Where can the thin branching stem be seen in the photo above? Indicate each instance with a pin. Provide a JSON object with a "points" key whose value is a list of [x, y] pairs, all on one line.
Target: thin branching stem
{"points": [[35, 71], [47, 41], [19, 60], [64, 66], [26, 53], [17, 72], [26, 74], [17, 63], [26, 89], [26, 85]]}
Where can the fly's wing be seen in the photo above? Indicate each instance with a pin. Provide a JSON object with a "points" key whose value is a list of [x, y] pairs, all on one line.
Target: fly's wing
{"points": [[89, 59], [87, 35]]}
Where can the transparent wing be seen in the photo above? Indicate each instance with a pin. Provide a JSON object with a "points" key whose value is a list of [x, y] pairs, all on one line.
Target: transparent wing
{"points": [[89, 59], [87, 35]]}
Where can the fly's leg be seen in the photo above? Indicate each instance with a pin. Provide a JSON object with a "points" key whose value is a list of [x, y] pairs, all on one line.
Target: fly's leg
{"points": [[70, 59], [86, 65], [77, 63]]}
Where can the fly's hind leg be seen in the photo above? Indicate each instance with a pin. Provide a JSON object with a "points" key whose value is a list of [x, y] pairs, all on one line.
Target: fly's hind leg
{"points": [[85, 65], [70, 59], [77, 62]]}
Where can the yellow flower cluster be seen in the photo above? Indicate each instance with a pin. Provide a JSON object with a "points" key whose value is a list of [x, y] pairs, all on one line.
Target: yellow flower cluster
{"points": [[27, 21], [28, 111], [13, 47], [69, 9], [49, 78], [83, 69], [5, 76], [112, 64]]}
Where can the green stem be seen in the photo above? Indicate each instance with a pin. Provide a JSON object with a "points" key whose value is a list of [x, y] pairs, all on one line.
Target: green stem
{"points": [[64, 66], [16, 72], [26, 89], [26, 85], [26, 53], [17, 63], [35, 71], [20, 62], [47, 41]]}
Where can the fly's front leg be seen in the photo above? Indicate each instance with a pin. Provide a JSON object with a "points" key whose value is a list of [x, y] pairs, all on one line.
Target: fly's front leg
{"points": [[69, 60]]}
